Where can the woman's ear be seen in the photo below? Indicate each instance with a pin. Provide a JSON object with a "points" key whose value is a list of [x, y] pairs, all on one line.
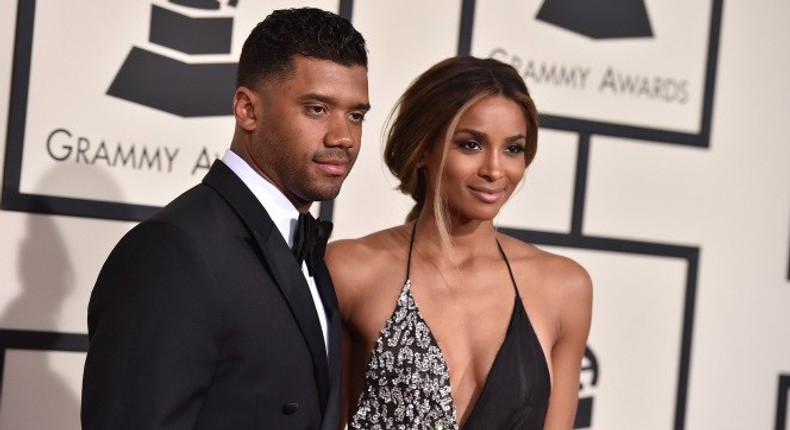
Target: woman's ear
{"points": [[422, 159], [245, 105], [421, 167]]}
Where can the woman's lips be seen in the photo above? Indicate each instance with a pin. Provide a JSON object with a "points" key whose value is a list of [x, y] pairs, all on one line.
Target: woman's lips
{"points": [[487, 195]]}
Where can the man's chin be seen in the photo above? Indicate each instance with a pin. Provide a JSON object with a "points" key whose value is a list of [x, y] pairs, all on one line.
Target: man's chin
{"points": [[324, 194]]}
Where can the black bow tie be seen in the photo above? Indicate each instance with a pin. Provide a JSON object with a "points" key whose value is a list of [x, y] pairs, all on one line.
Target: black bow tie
{"points": [[310, 240]]}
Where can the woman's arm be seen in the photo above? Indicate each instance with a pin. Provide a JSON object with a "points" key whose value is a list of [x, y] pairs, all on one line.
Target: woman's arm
{"points": [[574, 304]]}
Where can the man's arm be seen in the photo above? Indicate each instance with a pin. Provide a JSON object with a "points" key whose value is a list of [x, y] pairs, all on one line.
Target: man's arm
{"points": [[151, 325]]}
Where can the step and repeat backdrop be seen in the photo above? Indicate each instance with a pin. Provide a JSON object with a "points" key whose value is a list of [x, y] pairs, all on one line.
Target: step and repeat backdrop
{"points": [[663, 167]]}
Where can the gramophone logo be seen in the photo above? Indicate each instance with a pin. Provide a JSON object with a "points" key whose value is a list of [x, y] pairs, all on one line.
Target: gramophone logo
{"points": [[186, 89], [598, 19], [588, 380]]}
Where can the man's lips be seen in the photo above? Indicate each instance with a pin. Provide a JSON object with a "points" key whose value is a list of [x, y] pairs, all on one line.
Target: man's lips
{"points": [[333, 166], [487, 194]]}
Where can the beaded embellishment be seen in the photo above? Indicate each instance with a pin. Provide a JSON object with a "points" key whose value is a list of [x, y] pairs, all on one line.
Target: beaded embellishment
{"points": [[407, 384]]}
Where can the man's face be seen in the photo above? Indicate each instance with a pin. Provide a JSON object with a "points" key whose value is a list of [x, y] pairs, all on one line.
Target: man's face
{"points": [[309, 128]]}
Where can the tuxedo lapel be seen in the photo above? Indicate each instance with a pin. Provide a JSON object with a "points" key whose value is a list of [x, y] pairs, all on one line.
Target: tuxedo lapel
{"points": [[280, 262], [327, 291], [329, 298], [321, 274], [291, 282]]}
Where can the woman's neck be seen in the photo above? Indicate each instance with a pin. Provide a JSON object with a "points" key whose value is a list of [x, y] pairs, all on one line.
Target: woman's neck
{"points": [[467, 238]]}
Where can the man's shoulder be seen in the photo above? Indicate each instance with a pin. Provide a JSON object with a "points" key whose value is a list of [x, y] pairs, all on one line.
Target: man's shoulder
{"points": [[200, 202], [199, 212]]}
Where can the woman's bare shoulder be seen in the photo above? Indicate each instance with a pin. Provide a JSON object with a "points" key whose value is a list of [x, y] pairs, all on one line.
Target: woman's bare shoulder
{"points": [[372, 246], [546, 270], [362, 268], [358, 261]]}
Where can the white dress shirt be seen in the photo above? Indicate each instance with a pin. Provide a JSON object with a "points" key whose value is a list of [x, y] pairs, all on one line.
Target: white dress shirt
{"points": [[284, 215]]}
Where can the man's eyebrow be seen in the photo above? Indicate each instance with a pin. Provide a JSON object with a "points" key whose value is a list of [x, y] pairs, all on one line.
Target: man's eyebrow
{"points": [[332, 101]]}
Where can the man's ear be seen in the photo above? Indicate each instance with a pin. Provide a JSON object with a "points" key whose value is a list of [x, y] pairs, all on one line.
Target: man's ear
{"points": [[245, 108]]}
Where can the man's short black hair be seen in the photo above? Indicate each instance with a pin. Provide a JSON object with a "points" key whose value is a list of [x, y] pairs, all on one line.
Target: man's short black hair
{"points": [[271, 46]]}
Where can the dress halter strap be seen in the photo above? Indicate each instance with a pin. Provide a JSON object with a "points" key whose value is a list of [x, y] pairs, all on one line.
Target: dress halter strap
{"points": [[411, 246], [499, 246], [509, 270]]}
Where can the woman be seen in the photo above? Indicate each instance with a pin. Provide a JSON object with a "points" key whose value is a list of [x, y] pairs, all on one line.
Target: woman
{"points": [[450, 324]]}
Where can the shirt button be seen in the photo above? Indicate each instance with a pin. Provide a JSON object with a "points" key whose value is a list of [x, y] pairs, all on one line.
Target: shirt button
{"points": [[290, 408]]}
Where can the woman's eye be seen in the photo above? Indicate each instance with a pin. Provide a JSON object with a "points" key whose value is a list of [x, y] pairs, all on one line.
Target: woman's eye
{"points": [[469, 145], [515, 149]]}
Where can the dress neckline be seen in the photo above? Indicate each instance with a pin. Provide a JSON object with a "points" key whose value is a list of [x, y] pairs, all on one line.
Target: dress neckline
{"points": [[407, 381], [518, 308]]}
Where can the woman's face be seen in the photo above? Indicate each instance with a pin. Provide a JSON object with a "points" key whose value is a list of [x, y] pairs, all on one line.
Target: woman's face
{"points": [[485, 159]]}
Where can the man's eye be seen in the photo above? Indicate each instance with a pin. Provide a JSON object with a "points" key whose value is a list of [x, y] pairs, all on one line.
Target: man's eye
{"points": [[317, 110], [357, 116]]}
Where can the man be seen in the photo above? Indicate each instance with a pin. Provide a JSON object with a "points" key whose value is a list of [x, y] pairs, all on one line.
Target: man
{"points": [[202, 318]]}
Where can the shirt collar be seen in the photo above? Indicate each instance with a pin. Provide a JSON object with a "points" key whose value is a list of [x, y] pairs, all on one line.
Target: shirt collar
{"points": [[282, 212]]}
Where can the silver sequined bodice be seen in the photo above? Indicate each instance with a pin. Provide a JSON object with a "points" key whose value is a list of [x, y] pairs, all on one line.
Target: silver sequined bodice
{"points": [[406, 385]]}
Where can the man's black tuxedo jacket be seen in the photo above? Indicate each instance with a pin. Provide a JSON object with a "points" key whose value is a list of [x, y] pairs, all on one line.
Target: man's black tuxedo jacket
{"points": [[202, 319]]}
